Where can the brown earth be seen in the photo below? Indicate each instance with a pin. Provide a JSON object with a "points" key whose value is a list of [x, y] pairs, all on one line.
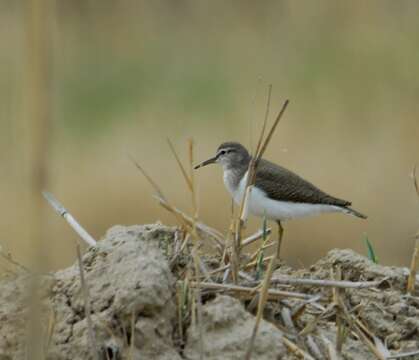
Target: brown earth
{"points": [[132, 291]]}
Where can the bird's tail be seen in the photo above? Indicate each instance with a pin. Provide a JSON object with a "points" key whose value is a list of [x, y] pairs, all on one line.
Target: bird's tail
{"points": [[350, 211]]}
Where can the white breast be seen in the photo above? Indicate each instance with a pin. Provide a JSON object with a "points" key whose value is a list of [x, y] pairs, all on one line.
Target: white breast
{"points": [[261, 205], [228, 182]]}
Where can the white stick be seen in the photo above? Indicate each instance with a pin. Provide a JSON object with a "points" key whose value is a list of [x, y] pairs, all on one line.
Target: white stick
{"points": [[403, 355], [286, 280], [61, 210]]}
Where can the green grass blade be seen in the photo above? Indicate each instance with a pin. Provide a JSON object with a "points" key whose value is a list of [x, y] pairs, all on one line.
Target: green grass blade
{"points": [[370, 251], [264, 229], [259, 266], [260, 257]]}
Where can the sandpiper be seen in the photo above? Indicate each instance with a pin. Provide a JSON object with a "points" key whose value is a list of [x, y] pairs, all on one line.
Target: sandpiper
{"points": [[278, 194]]}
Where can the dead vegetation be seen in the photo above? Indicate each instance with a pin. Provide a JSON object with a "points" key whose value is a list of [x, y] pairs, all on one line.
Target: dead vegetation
{"points": [[153, 292], [144, 305]]}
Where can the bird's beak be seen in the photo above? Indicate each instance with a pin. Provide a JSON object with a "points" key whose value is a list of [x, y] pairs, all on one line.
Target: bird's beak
{"points": [[206, 162]]}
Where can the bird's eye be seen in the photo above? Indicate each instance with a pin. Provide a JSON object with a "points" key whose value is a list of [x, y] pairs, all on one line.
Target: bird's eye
{"points": [[222, 152]]}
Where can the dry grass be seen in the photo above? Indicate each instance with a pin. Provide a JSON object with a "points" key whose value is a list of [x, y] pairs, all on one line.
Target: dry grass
{"points": [[413, 264], [233, 258], [87, 306], [234, 266], [262, 293], [202, 276], [230, 261], [235, 249]]}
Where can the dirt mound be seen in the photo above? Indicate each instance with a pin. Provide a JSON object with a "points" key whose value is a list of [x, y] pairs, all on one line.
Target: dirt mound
{"points": [[226, 329], [136, 314], [131, 294], [385, 310], [12, 318]]}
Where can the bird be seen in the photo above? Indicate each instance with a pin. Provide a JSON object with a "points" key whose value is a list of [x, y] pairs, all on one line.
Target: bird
{"points": [[278, 194]]}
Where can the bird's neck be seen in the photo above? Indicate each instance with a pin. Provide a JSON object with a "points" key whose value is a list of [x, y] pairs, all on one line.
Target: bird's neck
{"points": [[234, 174]]}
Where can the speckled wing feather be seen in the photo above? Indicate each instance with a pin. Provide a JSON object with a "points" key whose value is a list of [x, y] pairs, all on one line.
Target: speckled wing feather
{"points": [[282, 184]]}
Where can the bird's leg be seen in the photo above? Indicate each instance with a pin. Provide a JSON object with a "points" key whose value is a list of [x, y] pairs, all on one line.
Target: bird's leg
{"points": [[280, 235]]}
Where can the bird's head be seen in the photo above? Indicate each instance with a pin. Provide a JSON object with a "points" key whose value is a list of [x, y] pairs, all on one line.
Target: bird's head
{"points": [[229, 155]]}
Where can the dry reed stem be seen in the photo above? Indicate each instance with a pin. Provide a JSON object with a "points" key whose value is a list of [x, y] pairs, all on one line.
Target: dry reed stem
{"points": [[257, 156], [261, 248], [192, 231], [273, 293], [403, 355], [244, 213], [178, 250], [263, 296], [87, 310], [251, 176], [220, 269], [189, 183], [213, 234], [192, 180], [354, 323], [265, 119], [50, 329], [235, 253], [252, 170], [255, 237], [62, 211], [9, 259], [182, 169], [254, 115], [340, 328], [298, 310], [362, 326], [189, 179], [176, 212], [148, 178], [311, 326], [254, 263], [340, 333], [411, 281], [415, 180], [272, 130], [252, 165], [37, 18], [296, 350], [365, 339], [342, 284]]}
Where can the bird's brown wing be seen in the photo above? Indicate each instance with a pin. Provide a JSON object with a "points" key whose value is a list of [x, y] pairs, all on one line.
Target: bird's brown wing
{"points": [[282, 184]]}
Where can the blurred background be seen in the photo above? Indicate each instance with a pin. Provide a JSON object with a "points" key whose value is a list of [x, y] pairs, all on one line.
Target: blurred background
{"points": [[119, 77]]}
